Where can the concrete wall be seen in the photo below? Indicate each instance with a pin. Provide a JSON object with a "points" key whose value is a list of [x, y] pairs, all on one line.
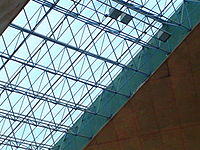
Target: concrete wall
{"points": [[165, 113], [8, 11]]}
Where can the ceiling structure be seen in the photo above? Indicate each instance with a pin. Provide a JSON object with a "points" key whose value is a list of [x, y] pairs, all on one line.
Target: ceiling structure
{"points": [[58, 58], [164, 114], [8, 11]]}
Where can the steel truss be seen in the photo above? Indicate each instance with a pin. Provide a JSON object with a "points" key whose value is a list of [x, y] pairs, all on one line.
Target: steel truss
{"points": [[56, 59], [22, 144]]}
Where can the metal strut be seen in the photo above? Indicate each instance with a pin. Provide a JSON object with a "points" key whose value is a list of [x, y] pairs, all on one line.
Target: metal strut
{"points": [[21, 143], [33, 121], [99, 25], [147, 14], [36, 122], [46, 97], [59, 73], [78, 49]]}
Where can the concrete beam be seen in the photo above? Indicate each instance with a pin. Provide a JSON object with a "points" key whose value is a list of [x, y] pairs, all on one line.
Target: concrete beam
{"points": [[9, 9]]}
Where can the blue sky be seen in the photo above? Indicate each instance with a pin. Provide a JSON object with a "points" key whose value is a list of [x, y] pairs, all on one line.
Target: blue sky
{"points": [[51, 71]]}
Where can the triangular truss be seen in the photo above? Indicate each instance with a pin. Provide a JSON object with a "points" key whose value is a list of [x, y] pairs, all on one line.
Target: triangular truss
{"points": [[58, 56]]}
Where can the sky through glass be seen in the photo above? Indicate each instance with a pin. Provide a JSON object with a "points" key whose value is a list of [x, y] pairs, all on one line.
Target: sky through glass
{"points": [[56, 58]]}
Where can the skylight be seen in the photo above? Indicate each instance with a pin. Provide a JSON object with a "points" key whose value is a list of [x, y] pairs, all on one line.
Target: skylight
{"points": [[57, 56]]}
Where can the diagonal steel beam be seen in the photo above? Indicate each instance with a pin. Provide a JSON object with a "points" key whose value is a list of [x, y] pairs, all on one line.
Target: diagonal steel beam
{"points": [[59, 73], [148, 14], [100, 26], [34, 28], [22, 144], [78, 49], [46, 97], [17, 117]]}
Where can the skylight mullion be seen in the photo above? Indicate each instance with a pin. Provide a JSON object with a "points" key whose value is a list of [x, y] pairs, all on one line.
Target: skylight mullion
{"points": [[52, 91], [92, 39], [10, 123], [96, 11], [112, 48], [24, 11], [22, 68], [89, 94], [92, 73], [95, 23], [77, 49], [28, 35], [71, 63], [61, 74], [29, 112], [31, 90], [50, 55], [33, 136], [28, 49], [48, 99], [73, 36], [148, 14], [33, 121], [88, 84], [51, 29], [25, 143], [71, 93], [107, 29]]}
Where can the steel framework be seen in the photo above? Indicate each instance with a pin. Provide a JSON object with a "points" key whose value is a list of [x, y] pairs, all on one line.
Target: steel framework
{"points": [[58, 56]]}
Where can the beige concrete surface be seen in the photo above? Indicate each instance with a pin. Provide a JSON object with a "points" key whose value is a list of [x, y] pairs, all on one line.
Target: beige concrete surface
{"points": [[8, 11], [165, 113]]}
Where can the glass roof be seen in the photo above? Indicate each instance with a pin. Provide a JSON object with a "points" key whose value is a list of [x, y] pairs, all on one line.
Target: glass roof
{"points": [[57, 56]]}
